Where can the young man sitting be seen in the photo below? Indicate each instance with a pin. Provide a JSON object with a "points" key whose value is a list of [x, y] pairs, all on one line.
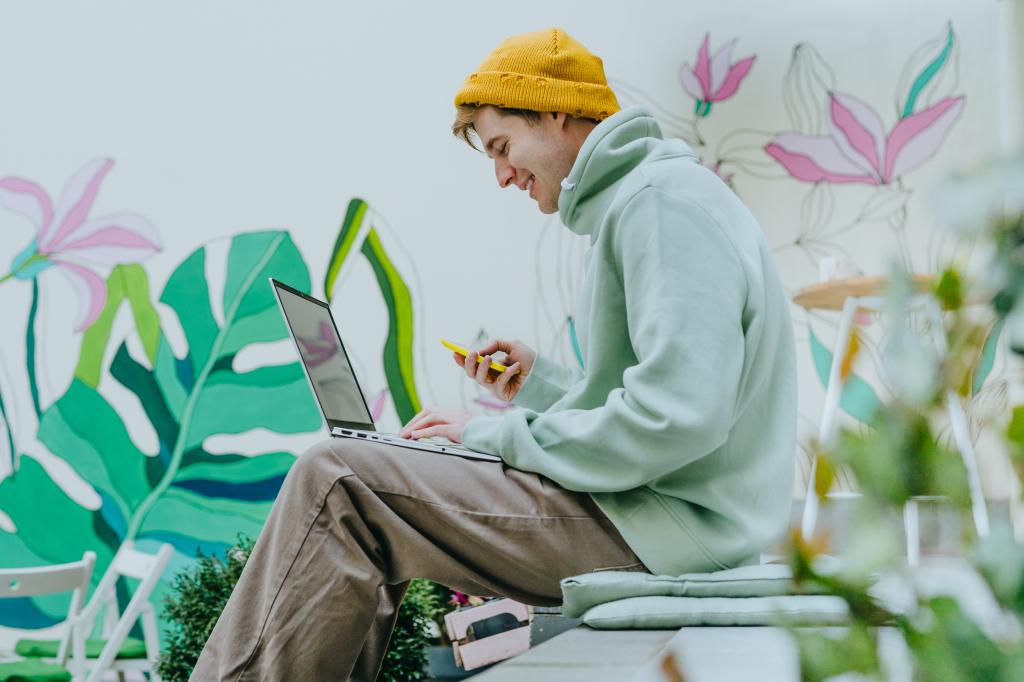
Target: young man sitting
{"points": [[670, 450]]}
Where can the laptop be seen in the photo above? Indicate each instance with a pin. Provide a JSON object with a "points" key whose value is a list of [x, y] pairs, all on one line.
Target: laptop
{"points": [[327, 367]]}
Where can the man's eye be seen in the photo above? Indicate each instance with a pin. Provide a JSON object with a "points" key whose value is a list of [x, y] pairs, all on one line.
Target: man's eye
{"points": [[504, 148]]}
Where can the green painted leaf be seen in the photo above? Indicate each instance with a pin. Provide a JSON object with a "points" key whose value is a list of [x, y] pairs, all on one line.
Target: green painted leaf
{"points": [[857, 399], [84, 430], [275, 398], [165, 372], [187, 514], [242, 470], [928, 73], [398, 358], [205, 395], [125, 282], [350, 226], [250, 310], [38, 507], [988, 357], [188, 294]]}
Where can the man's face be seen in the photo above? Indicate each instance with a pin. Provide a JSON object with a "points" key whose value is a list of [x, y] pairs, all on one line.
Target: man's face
{"points": [[533, 157]]}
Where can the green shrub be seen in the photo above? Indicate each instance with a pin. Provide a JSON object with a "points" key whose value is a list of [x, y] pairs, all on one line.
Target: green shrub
{"points": [[406, 658], [199, 595], [201, 592]]}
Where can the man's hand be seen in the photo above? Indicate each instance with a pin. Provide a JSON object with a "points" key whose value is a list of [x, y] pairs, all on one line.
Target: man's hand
{"points": [[519, 359], [432, 422]]}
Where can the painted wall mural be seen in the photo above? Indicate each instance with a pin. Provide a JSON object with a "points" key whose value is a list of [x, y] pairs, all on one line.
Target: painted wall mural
{"points": [[183, 494], [185, 421]]}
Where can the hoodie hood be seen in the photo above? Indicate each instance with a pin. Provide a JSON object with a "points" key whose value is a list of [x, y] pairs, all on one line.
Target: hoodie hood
{"points": [[614, 148]]}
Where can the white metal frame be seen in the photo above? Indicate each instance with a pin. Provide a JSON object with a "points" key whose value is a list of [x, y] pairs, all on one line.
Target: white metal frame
{"points": [[958, 422]]}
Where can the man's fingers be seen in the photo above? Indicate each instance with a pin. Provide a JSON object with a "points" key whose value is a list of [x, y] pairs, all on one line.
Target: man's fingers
{"points": [[481, 370], [502, 381], [441, 430], [459, 360], [470, 364], [414, 422]]}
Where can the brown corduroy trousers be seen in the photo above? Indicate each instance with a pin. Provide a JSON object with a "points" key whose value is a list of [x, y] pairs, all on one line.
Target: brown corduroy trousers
{"points": [[355, 521]]}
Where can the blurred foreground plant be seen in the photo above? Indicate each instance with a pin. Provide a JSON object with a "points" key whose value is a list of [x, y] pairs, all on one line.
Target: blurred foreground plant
{"points": [[903, 455]]}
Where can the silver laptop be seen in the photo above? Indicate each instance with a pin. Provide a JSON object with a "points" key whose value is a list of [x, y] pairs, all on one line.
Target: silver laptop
{"points": [[332, 380]]}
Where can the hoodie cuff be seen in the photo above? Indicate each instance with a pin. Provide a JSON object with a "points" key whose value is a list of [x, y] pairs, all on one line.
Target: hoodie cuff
{"points": [[483, 434], [545, 385]]}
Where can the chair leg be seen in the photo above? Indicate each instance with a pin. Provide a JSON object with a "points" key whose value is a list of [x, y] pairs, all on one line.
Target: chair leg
{"points": [[961, 433], [912, 526], [151, 638], [833, 393]]}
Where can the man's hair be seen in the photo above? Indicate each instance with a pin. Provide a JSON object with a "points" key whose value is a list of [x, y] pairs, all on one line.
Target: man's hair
{"points": [[463, 127]]}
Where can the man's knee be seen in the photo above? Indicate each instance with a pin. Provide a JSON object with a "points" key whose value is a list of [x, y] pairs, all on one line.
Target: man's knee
{"points": [[322, 463]]}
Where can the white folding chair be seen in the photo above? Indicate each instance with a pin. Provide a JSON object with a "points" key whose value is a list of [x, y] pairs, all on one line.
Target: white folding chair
{"points": [[71, 577], [131, 563]]}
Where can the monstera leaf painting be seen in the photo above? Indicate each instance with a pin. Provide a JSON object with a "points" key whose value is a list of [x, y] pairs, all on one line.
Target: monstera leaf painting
{"points": [[184, 495]]}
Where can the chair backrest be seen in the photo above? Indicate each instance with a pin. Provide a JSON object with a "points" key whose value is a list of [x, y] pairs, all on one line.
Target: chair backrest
{"points": [[38, 580], [71, 577], [128, 562]]}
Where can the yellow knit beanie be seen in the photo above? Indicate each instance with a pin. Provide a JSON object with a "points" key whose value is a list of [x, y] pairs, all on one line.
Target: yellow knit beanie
{"points": [[541, 71]]}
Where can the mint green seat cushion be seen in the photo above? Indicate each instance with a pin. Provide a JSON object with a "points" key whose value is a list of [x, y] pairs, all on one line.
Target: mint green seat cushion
{"points": [[47, 648], [669, 613], [582, 592], [32, 671]]}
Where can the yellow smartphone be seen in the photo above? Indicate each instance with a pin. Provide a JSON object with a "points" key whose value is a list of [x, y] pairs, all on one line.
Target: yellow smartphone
{"points": [[464, 352]]}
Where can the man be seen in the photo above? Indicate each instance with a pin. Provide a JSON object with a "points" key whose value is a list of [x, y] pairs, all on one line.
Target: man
{"points": [[670, 450]]}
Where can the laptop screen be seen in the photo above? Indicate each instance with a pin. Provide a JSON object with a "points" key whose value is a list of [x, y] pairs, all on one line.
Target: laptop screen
{"points": [[324, 357]]}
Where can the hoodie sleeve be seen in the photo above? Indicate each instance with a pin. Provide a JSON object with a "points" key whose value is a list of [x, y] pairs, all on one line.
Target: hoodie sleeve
{"points": [[684, 289], [545, 385]]}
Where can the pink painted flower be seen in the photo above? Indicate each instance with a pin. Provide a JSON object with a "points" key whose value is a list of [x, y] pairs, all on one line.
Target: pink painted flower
{"points": [[857, 148], [67, 239], [716, 78]]}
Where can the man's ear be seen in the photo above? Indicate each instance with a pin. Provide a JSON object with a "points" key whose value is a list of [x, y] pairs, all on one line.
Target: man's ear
{"points": [[561, 118]]}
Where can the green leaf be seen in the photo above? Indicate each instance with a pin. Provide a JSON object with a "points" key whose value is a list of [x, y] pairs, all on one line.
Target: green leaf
{"points": [[250, 309], [350, 227], [243, 470], [398, 358], [125, 282], [38, 507], [398, 348], [857, 399], [928, 73], [949, 290], [953, 648], [205, 395], [987, 358], [189, 295], [275, 398], [825, 655], [83, 429], [186, 514]]}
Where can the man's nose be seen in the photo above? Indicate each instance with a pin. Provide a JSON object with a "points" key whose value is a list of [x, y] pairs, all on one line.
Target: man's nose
{"points": [[505, 173]]}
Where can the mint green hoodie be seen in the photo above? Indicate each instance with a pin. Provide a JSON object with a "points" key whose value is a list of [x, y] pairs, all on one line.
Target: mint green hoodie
{"points": [[682, 423]]}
